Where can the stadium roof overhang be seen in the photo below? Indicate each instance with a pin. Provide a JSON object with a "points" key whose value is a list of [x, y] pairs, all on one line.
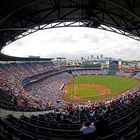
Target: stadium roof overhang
{"points": [[19, 18]]}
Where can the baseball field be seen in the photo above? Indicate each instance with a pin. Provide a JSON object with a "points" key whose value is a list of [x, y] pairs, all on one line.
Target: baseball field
{"points": [[96, 87]]}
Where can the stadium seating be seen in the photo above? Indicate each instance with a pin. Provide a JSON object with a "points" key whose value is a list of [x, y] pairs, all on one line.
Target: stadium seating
{"points": [[122, 121], [120, 115]]}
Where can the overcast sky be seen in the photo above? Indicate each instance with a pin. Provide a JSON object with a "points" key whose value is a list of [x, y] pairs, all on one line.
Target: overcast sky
{"points": [[75, 42]]}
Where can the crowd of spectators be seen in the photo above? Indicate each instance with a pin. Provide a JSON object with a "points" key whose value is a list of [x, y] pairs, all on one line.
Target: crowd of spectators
{"points": [[137, 76], [90, 72], [12, 76], [49, 90], [98, 115], [114, 119], [45, 89], [44, 83], [125, 74]]}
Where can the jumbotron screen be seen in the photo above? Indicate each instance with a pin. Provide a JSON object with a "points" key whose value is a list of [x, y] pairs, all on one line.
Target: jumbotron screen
{"points": [[113, 65]]}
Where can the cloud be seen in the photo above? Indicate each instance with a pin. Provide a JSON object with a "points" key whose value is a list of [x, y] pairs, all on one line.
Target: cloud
{"points": [[69, 39], [74, 43]]}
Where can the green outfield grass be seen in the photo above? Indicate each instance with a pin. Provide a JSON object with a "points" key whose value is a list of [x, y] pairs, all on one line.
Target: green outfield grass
{"points": [[116, 84]]}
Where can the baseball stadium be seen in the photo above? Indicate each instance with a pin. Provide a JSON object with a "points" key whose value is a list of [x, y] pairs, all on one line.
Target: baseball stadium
{"points": [[48, 99]]}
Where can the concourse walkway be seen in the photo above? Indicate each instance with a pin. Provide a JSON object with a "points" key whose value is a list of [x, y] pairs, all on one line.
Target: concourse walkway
{"points": [[17, 114]]}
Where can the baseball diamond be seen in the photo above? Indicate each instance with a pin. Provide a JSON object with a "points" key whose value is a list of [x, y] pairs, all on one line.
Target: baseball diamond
{"points": [[96, 87]]}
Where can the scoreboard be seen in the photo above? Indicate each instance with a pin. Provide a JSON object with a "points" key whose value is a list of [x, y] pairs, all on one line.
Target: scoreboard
{"points": [[115, 65]]}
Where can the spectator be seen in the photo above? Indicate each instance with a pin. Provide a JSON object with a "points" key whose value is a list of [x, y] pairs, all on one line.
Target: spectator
{"points": [[88, 131]]}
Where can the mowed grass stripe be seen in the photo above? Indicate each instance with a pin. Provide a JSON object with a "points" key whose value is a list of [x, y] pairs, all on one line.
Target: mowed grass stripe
{"points": [[116, 84]]}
